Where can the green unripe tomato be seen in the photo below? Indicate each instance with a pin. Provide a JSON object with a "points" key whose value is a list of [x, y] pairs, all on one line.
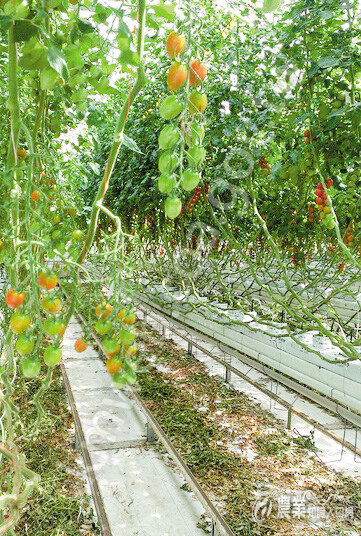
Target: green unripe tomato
{"points": [[126, 337], [119, 379], [171, 107], [190, 180], [54, 327], [52, 356], [77, 235], [169, 137], [196, 156], [173, 207], [25, 345], [31, 367], [166, 183], [168, 162], [195, 134], [103, 327]]}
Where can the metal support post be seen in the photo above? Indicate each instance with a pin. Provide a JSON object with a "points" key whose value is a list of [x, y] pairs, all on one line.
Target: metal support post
{"points": [[289, 417], [151, 436]]}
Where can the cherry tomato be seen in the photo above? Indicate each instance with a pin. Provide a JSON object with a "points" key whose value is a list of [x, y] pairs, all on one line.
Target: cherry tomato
{"points": [[54, 327], [22, 153], [114, 364], [25, 344], [77, 235], [171, 107], [198, 73], [52, 355], [130, 319], [31, 367], [103, 327], [132, 350], [20, 322], [35, 196], [51, 281], [80, 345], [48, 281], [14, 299], [51, 304], [167, 182], [103, 310], [126, 337], [111, 346], [122, 314], [173, 207], [175, 44]]}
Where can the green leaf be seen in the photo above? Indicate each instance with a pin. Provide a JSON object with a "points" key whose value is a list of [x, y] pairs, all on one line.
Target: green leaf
{"points": [[166, 11], [24, 30], [328, 61], [332, 123], [271, 5], [85, 26], [300, 118], [101, 14], [131, 144], [33, 55], [5, 22], [123, 29], [129, 57], [58, 62]]}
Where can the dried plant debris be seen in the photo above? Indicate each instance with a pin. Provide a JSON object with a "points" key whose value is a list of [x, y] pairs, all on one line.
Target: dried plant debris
{"points": [[266, 480]]}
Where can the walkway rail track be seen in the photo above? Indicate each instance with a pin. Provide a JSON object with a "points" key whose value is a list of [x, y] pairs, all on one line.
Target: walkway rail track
{"points": [[338, 410], [97, 498], [219, 524]]}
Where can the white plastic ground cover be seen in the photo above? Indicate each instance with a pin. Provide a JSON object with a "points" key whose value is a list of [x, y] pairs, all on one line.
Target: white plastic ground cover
{"points": [[339, 381], [141, 493]]}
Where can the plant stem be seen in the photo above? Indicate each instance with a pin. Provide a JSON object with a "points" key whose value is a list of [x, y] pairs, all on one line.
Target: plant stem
{"points": [[118, 135]]}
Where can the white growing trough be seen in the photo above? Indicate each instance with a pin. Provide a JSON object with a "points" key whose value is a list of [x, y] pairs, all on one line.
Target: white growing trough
{"points": [[339, 381]]}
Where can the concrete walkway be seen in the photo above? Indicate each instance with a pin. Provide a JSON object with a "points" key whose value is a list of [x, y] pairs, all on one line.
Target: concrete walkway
{"points": [[141, 491]]}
